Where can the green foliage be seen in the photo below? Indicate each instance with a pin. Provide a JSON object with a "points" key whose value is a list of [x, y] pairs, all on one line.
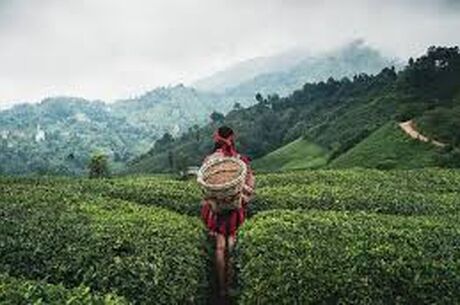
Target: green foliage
{"points": [[57, 231], [216, 117], [181, 196], [449, 157], [299, 154], [98, 240], [288, 257], [442, 124], [433, 77], [339, 114], [401, 192], [412, 192], [74, 127], [98, 166], [14, 291], [387, 148]]}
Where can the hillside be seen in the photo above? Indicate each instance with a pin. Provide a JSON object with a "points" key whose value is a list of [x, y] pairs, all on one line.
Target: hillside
{"points": [[389, 147], [58, 135], [171, 109], [299, 154], [246, 70], [351, 59], [335, 114]]}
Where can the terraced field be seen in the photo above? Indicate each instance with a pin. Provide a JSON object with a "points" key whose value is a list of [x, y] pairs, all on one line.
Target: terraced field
{"points": [[313, 237]]}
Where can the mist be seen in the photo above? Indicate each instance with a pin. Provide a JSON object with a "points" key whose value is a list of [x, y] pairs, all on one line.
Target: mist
{"points": [[101, 49]]}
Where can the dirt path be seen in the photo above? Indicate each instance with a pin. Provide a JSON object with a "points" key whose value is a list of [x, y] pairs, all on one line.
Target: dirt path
{"points": [[409, 128]]}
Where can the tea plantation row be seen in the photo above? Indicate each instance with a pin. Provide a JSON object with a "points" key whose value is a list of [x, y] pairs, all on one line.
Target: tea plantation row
{"points": [[315, 239], [318, 257], [14, 291], [55, 234], [411, 192]]}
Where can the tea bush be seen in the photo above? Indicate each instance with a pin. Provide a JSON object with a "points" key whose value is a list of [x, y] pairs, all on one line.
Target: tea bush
{"points": [[289, 257], [14, 291], [414, 192], [402, 192], [182, 197], [145, 254]]}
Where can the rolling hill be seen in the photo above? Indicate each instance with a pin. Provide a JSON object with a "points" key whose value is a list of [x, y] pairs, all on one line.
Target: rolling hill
{"points": [[389, 147], [58, 135], [299, 154], [351, 59], [337, 115]]}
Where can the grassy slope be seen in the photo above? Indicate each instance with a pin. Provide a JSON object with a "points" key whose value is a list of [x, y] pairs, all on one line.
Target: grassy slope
{"points": [[388, 147], [299, 154]]}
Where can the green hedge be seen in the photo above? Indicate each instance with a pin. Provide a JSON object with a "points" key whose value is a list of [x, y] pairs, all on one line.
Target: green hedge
{"points": [[421, 180], [403, 192], [109, 245], [182, 197], [288, 257], [415, 192], [379, 199], [16, 292]]}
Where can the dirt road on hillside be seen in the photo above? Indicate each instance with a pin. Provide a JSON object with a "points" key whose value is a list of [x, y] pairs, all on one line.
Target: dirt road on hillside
{"points": [[409, 128]]}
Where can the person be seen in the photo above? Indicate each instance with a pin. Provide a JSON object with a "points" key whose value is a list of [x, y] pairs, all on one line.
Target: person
{"points": [[223, 225]]}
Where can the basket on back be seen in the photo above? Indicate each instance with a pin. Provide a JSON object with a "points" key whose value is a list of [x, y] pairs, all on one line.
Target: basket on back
{"points": [[222, 180]]}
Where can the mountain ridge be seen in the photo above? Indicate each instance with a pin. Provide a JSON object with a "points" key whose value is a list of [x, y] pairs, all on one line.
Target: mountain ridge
{"points": [[336, 114]]}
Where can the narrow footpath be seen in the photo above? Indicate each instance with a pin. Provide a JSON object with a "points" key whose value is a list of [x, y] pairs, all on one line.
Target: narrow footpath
{"points": [[409, 128]]}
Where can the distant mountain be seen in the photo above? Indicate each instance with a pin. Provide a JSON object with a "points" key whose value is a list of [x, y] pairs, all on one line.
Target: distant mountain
{"points": [[283, 73], [171, 109], [354, 58], [246, 70], [330, 119], [58, 135]]}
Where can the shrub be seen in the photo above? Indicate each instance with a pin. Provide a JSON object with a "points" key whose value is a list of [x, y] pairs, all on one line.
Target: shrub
{"points": [[140, 253], [412, 192], [288, 257], [98, 166], [14, 291], [386, 164], [180, 196]]}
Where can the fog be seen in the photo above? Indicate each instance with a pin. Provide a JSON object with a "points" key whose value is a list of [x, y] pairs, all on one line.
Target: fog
{"points": [[107, 49]]}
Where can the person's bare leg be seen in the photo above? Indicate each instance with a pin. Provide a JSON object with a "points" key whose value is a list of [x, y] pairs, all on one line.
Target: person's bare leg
{"points": [[220, 263], [231, 244]]}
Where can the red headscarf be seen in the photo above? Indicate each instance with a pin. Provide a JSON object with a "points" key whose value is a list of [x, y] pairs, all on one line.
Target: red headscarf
{"points": [[227, 145]]}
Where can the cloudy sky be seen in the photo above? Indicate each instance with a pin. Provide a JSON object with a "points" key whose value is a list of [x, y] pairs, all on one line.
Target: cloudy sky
{"points": [[109, 49]]}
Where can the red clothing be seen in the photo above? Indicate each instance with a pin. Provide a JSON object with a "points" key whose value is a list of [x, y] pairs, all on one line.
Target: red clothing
{"points": [[227, 222]]}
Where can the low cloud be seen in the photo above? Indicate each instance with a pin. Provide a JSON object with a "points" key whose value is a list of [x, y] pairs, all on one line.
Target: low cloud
{"points": [[102, 49]]}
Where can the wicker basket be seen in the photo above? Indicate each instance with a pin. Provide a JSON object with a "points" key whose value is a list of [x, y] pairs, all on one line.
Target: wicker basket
{"points": [[222, 180]]}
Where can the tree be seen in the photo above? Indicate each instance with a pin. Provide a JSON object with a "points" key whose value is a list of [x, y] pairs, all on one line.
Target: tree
{"points": [[259, 97], [411, 62], [98, 166], [196, 130], [165, 141], [171, 160], [217, 117], [237, 106]]}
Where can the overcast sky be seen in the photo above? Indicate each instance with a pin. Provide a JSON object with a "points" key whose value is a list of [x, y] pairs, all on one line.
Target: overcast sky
{"points": [[111, 49]]}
